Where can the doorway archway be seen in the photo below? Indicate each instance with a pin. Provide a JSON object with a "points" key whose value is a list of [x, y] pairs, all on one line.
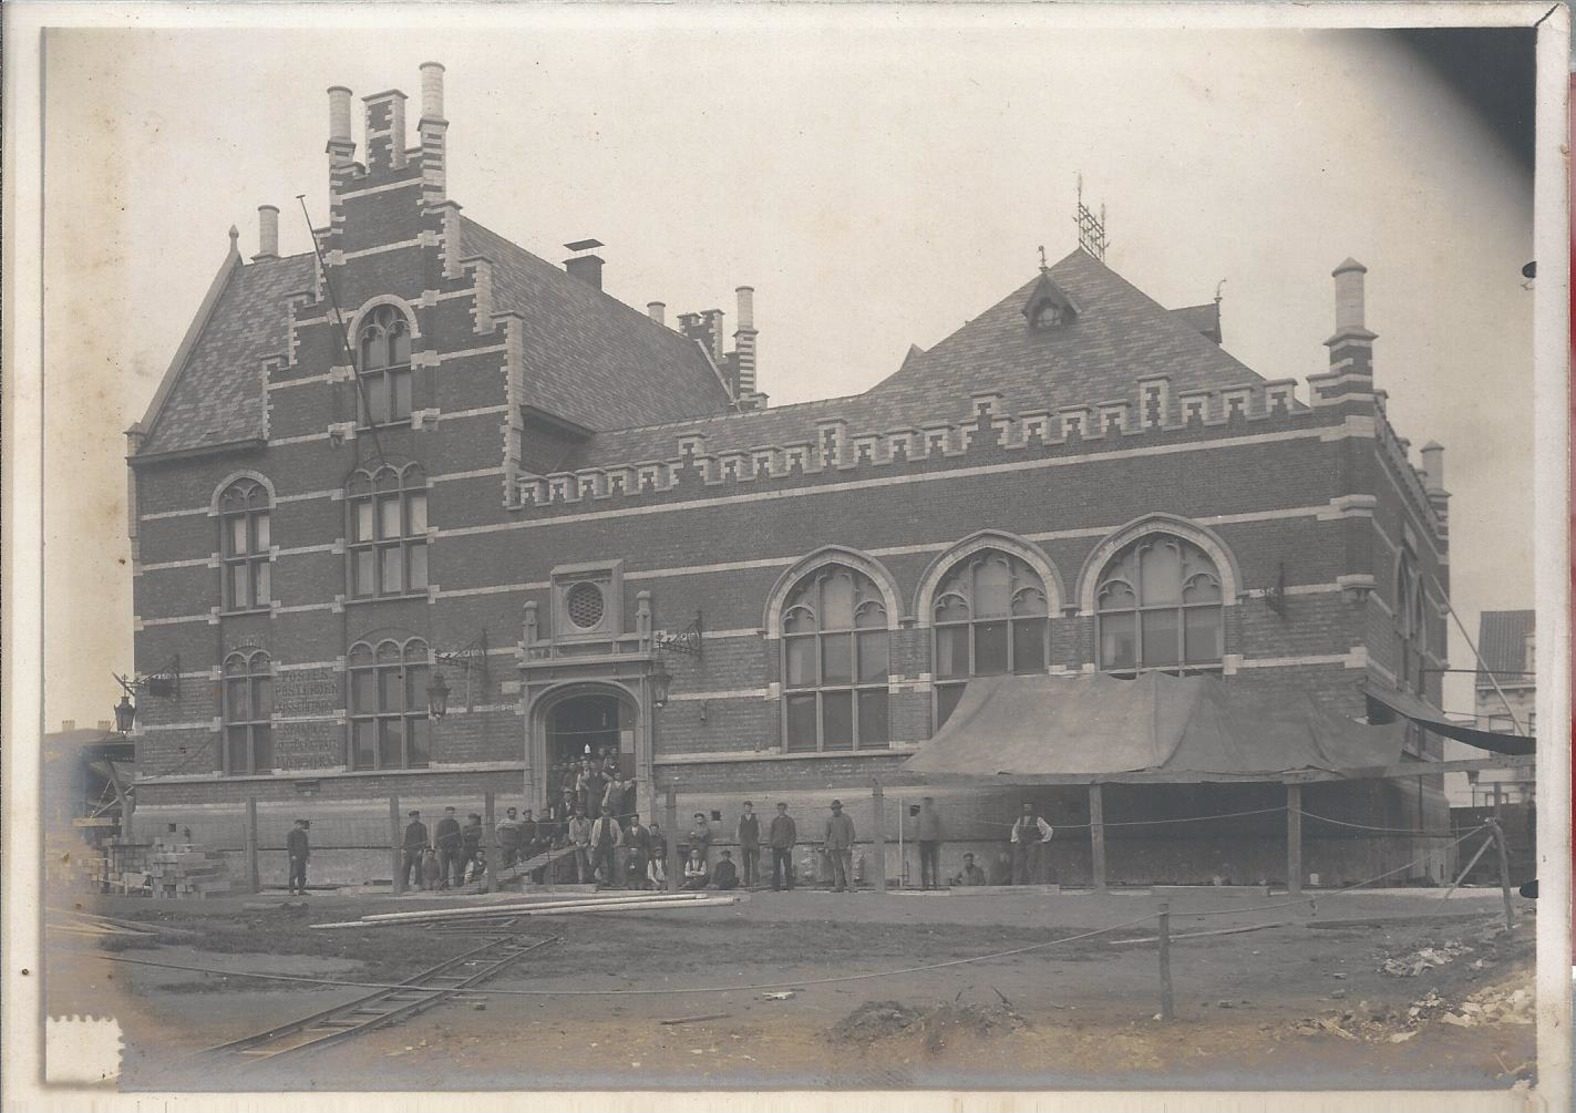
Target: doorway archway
{"points": [[581, 723]]}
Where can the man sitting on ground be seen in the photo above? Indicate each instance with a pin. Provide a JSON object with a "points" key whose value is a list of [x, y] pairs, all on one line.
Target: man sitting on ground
{"points": [[726, 875], [695, 872], [971, 875]]}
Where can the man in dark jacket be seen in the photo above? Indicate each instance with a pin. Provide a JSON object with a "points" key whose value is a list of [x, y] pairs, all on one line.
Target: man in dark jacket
{"points": [[415, 843], [782, 836], [300, 850], [470, 843], [700, 838], [749, 835], [637, 841], [449, 845], [839, 844], [509, 838], [606, 837], [726, 875], [927, 829], [530, 837]]}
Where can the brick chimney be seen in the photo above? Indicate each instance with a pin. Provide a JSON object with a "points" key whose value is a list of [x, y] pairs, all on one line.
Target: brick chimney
{"points": [[586, 266], [341, 148], [713, 318], [432, 129], [744, 342], [1433, 454], [267, 233], [658, 312], [385, 126], [1351, 347]]}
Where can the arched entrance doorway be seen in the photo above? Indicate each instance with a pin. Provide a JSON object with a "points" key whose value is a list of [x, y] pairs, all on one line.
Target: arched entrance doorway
{"points": [[595, 726]]}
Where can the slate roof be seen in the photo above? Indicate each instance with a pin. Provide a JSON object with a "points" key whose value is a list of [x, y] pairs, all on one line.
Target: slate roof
{"points": [[217, 395], [1502, 640], [1118, 336], [590, 358]]}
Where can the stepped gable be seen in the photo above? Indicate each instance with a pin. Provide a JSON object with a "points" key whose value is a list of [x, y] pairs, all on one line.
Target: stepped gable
{"points": [[1118, 335], [217, 396], [589, 358]]}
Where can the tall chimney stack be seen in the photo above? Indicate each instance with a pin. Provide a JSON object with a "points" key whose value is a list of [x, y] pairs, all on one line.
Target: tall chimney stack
{"points": [[1349, 295], [267, 233], [744, 341], [1351, 348], [340, 145], [385, 128], [432, 128], [1434, 481], [432, 91], [658, 312]]}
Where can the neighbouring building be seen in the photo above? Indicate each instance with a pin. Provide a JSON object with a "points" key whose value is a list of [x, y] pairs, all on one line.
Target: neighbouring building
{"points": [[1505, 691], [437, 517]]}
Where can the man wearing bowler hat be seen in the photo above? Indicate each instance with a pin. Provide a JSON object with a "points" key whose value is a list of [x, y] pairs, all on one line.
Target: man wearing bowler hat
{"points": [[839, 843]]}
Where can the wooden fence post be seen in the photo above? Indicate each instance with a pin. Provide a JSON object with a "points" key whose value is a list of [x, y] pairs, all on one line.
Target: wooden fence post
{"points": [[494, 854], [1167, 998], [396, 839], [253, 878], [1097, 833], [1294, 839], [878, 852], [670, 816]]}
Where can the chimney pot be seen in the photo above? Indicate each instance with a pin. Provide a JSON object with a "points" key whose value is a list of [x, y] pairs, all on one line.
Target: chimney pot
{"points": [[1349, 296], [1433, 454], [658, 312], [267, 232], [338, 114], [746, 295], [432, 90]]}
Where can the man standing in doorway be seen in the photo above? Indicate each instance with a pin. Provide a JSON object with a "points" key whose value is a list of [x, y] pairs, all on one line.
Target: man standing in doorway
{"points": [[1028, 832], [839, 843], [606, 837], [782, 835], [299, 850], [449, 861], [415, 844], [928, 830], [749, 836]]}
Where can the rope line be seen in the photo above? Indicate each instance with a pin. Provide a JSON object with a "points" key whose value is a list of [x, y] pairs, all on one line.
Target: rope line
{"points": [[651, 992]]}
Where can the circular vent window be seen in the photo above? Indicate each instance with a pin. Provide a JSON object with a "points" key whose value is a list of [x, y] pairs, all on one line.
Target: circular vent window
{"points": [[584, 603]]}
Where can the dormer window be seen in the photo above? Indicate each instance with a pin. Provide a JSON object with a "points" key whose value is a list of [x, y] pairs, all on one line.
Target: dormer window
{"points": [[385, 366], [1048, 305]]}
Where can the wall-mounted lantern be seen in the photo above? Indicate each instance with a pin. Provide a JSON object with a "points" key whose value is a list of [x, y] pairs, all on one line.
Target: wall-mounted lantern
{"points": [[437, 696], [125, 714]]}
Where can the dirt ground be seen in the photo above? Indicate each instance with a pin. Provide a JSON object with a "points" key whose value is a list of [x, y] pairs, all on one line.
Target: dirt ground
{"points": [[1302, 1003]]}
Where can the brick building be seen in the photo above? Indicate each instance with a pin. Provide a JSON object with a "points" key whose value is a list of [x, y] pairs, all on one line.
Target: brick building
{"points": [[441, 462], [1505, 693]]}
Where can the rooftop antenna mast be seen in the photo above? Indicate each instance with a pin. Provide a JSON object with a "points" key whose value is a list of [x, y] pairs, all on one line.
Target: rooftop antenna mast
{"points": [[1091, 228], [344, 336]]}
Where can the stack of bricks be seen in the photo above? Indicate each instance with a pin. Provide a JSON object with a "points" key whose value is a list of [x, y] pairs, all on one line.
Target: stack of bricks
{"points": [[175, 871], [71, 863]]}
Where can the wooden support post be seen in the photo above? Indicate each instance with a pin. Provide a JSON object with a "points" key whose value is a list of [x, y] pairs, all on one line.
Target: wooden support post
{"points": [[1097, 833], [396, 840], [1167, 997], [253, 880], [1504, 871], [494, 854], [670, 816], [878, 822], [1294, 839]]}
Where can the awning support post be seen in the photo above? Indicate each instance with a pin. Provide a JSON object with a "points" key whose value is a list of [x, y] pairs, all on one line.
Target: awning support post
{"points": [[1294, 838], [878, 811], [1097, 832]]}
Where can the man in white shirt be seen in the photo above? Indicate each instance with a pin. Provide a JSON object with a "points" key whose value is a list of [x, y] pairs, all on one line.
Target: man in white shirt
{"points": [[1029, 830]]}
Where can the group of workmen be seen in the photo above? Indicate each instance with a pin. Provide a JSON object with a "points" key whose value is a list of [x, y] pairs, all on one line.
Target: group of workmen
{"points": [[622, 852]]}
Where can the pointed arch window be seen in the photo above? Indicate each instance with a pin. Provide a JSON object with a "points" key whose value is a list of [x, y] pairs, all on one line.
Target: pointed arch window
{"points": [[388, 531], [248, 713], [389, 728], [1159, 606], [244, 545], [384, 351], [835, 662], [991, 616]]}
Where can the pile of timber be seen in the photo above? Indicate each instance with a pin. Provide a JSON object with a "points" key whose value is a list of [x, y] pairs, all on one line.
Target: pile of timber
{"points": [[607, 903]]}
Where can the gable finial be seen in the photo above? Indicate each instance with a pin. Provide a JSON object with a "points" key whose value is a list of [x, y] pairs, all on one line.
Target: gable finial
{"points": [[1091, 228], [1043, 266], [235, 240]]}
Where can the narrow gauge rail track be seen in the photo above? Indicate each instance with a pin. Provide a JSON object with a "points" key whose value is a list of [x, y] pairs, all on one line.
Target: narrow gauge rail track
{"points": [[381, 1007]]}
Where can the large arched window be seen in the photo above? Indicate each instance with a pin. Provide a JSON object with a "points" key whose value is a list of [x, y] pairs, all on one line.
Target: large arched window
{"points": [[1411, 628], [388, 705], [385, 366], [991, 616], [388, 531], [1159, 606], [248, 711], [244, 545], [835, 662]]}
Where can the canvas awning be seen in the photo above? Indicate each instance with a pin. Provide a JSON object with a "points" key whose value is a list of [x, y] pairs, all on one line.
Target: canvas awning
{"points": [[1192, 728], [1433, 720]]}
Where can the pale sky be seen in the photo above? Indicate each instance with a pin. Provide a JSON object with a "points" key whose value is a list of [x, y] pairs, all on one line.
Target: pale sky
{"points": [[876, 186]]}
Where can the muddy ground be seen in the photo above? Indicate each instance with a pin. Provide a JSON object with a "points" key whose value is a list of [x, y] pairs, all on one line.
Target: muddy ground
{"points": [[1302, 1003]]}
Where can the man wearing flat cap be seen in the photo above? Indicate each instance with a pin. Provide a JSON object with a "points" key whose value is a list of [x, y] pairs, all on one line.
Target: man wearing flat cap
{"points": [[415, 844], [839, 844]]}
